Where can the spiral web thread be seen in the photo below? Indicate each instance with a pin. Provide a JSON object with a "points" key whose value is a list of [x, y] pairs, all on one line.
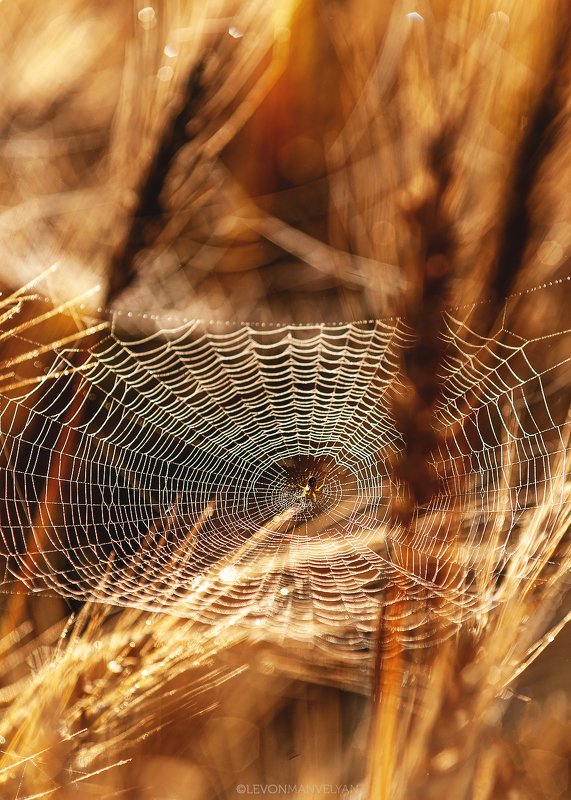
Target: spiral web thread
{"points": [[171, 473]]}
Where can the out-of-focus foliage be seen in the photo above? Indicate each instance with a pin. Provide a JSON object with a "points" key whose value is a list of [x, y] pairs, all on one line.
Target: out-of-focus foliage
{"points": [[318, 161]]}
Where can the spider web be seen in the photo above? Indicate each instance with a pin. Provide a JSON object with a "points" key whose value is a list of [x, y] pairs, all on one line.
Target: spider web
{"points": [[168, 472]]}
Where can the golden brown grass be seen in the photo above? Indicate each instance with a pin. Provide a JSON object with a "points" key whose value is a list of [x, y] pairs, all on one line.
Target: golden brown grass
{"points": [[314, 161]]}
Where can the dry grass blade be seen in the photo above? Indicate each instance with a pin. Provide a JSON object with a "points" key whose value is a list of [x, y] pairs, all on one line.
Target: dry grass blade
{"points": [[324, 551]]}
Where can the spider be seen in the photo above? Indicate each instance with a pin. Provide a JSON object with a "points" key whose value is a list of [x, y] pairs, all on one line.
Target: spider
{"points": [[311, 488]]}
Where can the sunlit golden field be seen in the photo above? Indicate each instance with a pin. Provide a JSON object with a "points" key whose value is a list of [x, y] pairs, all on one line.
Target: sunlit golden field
{"points": [[284, 399]]}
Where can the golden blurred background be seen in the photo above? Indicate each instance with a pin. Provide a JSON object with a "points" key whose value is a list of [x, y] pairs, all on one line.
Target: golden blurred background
{"points": [[294, 161]]}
